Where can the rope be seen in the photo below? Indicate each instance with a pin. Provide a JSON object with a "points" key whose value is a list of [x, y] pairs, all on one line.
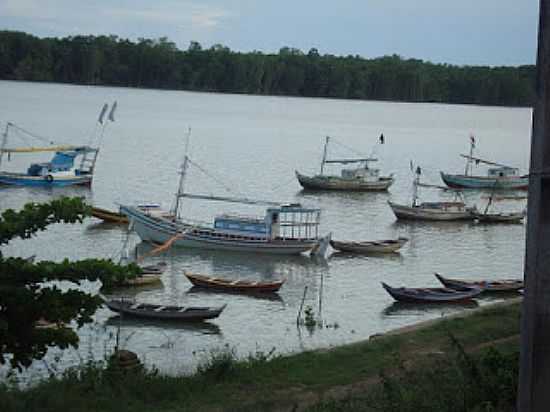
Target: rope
{"points": [[214, 178], [34, 135]]}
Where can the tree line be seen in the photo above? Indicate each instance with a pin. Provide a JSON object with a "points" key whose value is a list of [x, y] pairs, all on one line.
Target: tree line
{"points": [[158, 63]]}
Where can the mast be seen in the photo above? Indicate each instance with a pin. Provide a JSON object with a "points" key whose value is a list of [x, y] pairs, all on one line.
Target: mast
{"points": [[469, 162], [183, 171], [4, 141], [416, 181], [324, 154]]}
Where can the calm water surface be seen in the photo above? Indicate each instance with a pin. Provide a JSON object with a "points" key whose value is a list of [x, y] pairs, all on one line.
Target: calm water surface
{"points": [[252, 145]]}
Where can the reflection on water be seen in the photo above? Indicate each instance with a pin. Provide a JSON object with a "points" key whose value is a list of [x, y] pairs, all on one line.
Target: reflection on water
{"points": [[128, 323], [274, 297], [416, 309], [269, 138]]}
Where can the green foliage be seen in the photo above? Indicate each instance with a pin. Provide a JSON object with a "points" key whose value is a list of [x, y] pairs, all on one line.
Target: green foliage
{"points": [[109, 60], [29, 294]]}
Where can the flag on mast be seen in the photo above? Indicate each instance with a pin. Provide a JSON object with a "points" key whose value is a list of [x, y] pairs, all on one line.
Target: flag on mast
{"points": [[103, 111], [112, 112]]}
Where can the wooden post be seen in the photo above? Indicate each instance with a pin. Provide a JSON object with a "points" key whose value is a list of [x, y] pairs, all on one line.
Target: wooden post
{"points": [[534, 376]]}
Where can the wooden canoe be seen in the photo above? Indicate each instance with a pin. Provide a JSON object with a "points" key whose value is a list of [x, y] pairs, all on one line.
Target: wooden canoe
{"points": [[504, 285], [500, 217], [432, 295], [379, 246], [230, 285], [163, 312], [109, 216]]}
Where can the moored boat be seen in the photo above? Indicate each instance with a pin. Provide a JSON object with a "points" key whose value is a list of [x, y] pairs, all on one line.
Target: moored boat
{"points": [[61, 170], [510, 217], [499, 176], [378, 246], [432, 211], [108, 215], [361, 178], [431, 295], [284, 229], [238, 285], [502, 285], [163, 312]]}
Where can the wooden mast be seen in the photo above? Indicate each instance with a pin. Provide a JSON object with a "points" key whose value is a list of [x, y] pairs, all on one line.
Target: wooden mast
{"points": [[324, 155], [534, 374]]}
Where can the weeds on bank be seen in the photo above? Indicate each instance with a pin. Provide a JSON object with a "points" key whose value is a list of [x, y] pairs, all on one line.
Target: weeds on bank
{"points": [[458, 382]]}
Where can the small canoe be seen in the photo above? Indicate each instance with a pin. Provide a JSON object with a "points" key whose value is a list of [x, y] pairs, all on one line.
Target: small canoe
{"points": [[163, 312], [500, 217], [379, 246], [108, 215], [505, 285], [230, 285], [151, 274], [431, 295]]}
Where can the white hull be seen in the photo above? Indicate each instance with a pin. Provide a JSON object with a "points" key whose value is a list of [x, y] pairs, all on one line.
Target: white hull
{"points": [[160, 230], [321, 182]]}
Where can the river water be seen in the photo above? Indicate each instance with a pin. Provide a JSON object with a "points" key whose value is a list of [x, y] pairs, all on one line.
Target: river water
{"points": [[252, 145]]}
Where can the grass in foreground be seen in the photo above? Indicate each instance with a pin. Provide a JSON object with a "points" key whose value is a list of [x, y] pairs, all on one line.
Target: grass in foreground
{"points": [[336, 379]]}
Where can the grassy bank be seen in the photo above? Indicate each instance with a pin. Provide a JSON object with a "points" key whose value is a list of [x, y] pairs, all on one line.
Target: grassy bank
{"points": [[351, 377]]}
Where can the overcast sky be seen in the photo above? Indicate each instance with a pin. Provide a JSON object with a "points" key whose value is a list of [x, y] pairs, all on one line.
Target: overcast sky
{"points": [[488, 32]]}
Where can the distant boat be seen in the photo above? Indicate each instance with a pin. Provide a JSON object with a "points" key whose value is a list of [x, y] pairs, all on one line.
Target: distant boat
{"points": [[432, 211], [163, 312], [362, 178], [431, 295], [234, 285], [378, 246], [108, 215], [500, 176], [498, 217], [284, 229], [61, 170], [503, 285]]}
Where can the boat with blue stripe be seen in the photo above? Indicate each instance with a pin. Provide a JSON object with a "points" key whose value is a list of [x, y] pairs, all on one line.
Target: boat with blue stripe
{"points": [[61, 170]]}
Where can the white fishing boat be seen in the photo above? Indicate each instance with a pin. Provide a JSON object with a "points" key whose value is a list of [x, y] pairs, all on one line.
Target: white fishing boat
{"points": [[499, 176], [284, 228], [61, 170], [434, 211], [361, 178]]}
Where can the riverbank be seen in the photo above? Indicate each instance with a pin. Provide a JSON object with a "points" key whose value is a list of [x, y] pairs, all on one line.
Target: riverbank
{"points": [[318, 379]]}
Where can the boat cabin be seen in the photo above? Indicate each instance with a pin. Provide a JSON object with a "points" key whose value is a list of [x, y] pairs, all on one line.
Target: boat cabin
{"points": [[290, 221], [503, 172], [446, 206], [61, 162], [362, 173]]}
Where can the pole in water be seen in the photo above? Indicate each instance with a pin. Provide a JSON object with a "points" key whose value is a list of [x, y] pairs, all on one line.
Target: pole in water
{"points": [[301, 306]]}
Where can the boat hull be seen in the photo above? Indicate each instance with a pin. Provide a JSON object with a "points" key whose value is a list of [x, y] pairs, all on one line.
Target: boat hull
{"points": [[320, 182], [233, 286], [155, 230], [108, 216], [500, 217], [482, 182], [384, 246], [419, 213], [431, 295], [20, 179], [503, 286], [190, 314]]}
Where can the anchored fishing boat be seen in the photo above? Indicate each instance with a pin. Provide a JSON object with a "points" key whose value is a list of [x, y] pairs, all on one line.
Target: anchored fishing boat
{"points": [[432, 211], [499, 176], [366, 247], [234, 285], [431, 295], [489, 286], [61, 170], [362, 178], [284, 229], [498, 217]]}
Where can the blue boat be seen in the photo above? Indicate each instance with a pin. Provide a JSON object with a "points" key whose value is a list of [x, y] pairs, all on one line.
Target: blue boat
{"points": [[500, 176], [61, 170]]}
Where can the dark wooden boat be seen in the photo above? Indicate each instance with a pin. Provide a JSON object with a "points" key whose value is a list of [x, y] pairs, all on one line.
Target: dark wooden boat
{"points": [[500, 217], [504, 285], [163, 312], [378, 246], [431, 295], [109, 216], [238, 285]]}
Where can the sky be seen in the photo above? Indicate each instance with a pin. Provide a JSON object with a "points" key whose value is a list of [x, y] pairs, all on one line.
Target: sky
{"points": [[463, 32]]}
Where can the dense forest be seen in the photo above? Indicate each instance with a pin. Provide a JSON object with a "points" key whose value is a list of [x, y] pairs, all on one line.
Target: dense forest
{"points": [[110, 60]]}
